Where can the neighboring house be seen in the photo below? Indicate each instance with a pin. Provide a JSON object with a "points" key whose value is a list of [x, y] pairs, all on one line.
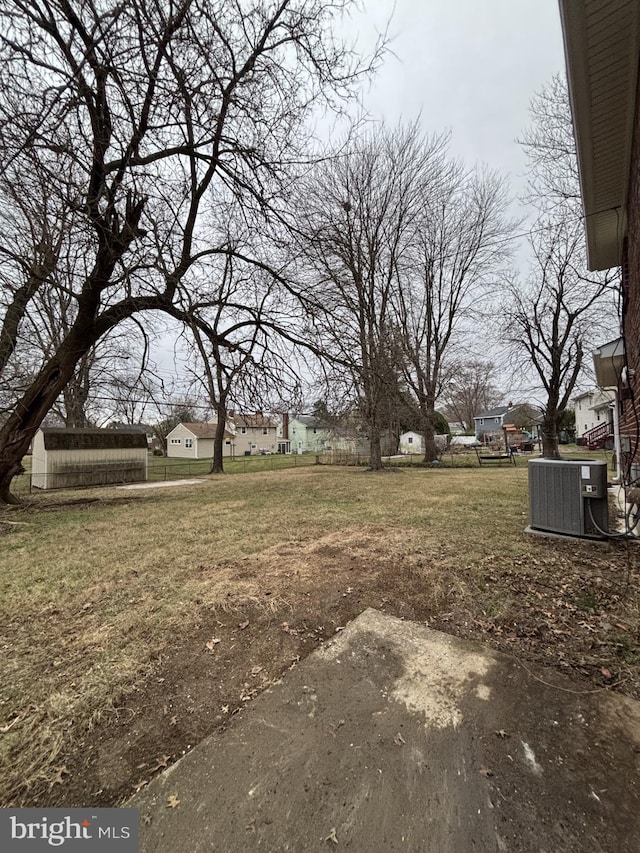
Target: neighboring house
{"points": [[602, 53], [413, 442], [195, 441], [593, 409], [490, 423], [255, 434], [64, 458], [309, 434]]}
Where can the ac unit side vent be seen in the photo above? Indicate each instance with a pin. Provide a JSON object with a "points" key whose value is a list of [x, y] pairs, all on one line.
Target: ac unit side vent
{"points": [[557, 502]]}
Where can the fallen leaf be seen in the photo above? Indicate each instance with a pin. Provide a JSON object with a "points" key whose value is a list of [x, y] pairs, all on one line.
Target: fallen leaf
{"points": [[243, 625], [213, 642], [484, 771], [172, 801], [399, 740], [332, 836], [173, 721], [606, 672], [502, 733], [141, 784], [256, 670]]}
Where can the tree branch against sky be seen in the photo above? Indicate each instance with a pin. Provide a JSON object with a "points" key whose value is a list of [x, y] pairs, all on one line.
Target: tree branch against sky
{"points": [[458, 254], [137, 119], [560, 311], [357, 217]]}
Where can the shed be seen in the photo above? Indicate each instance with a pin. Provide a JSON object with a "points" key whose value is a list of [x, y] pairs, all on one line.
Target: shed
{"points": [[64, 458]]}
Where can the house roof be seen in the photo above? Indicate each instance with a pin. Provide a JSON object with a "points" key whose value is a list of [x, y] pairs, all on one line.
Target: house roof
{"points": [[61, 438], [493, 413], [253, 421], [202, 430], [311, 422], [602, 47]]}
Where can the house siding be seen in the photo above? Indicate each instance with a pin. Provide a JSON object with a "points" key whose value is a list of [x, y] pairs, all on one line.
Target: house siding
{"points": [[180, 451], [591, 410], [305, 440], [254, 440]]}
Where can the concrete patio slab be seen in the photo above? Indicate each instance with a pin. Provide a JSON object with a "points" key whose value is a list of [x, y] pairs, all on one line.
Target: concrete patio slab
{"points": [[397, 737]]}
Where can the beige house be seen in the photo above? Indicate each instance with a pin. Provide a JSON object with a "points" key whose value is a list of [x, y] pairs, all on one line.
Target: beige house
{"points": [[255, 434], [65, 458], [195, 441]]}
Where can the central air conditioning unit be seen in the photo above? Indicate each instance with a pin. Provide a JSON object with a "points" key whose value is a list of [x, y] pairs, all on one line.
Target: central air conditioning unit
{"points": [[569, 497]]}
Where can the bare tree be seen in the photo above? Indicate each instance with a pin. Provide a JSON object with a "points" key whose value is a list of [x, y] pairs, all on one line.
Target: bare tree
{"points": [[239, 356], [359, 216], [554, 316], [551, 318], [458, 251], [470, 390], [139, 118]]}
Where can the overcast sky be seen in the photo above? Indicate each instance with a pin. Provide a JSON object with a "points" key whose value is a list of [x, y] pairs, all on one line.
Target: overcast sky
{"points": [[469, 66]]}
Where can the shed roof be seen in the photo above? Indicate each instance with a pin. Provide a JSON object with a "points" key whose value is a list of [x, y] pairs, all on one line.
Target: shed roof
{"points": [[62, 438], [602, 46]]}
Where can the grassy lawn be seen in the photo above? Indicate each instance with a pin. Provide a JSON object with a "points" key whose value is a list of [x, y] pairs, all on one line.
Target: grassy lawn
{"points": [[99, 587]]}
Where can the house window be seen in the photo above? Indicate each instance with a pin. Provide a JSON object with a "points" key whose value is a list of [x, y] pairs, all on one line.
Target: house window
{"points": [[253, 446], [410, 440], [243, 430], [188, 442], [228, 441], [265, 431], [176, 441]]}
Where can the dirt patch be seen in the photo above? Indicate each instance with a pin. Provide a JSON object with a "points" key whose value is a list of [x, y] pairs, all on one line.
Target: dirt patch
{"points": [[574, 607]]}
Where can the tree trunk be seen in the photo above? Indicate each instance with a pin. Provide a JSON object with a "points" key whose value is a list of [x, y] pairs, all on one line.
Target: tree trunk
{"points": [[428, 436], [23, 423], [550, 439], [375, 452], [217, 464]]}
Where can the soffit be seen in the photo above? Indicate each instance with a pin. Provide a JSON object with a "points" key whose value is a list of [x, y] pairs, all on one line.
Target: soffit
{"points": [[601, 40]]}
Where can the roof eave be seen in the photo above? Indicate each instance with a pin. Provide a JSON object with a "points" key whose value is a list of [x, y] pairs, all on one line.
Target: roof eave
{"points": [[604, 197]]}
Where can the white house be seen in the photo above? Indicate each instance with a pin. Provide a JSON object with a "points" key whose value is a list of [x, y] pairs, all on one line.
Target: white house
{"points": [[64, 458], [592, 409], [195, 441]]}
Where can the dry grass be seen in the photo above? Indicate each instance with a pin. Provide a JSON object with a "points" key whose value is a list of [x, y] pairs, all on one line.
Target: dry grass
{"points": [[93, 592]]}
